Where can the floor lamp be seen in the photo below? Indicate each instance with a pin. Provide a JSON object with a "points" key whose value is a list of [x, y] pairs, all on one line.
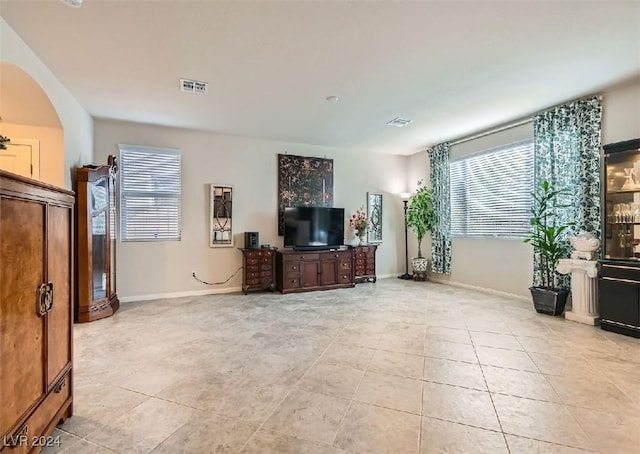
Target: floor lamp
{"points": [[405, 199]]}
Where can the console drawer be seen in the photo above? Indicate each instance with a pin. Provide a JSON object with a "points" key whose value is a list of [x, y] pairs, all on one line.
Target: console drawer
{"points": [[300, 257]]}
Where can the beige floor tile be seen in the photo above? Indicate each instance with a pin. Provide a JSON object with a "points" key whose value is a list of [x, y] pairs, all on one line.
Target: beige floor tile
{"points": [[519, 383], [488, 326], [495, 340], [447, 437], [407, 330], [367, 428], [390, 391], [546, 346], [58, 442], [308, 415], [501, 357], [340, 354], [336, 380], [269, 442], [568, 367], [93, 404], [461, 405], [81, 447], [520, 445], [143, 428], [151, 379], [197, 391], [454, 373], [540, 420], [358, 339], [595, 393], [207, 433], [529, 328], [238, 356], [450, 350], [395, 363], [248, 400], [410, 345], [610, 433], [445, 333]]}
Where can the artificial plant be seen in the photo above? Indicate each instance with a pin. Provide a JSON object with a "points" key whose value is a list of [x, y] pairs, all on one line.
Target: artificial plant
{"points": [[421, 215], [546, 233]]}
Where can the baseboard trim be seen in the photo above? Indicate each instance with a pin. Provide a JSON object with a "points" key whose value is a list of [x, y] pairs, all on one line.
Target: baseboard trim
{"points": [[386, 276], [480, 289], [156, 296]]}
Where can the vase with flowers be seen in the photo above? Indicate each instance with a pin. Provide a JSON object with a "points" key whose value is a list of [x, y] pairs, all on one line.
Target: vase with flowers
{"points": [[360, 223]]}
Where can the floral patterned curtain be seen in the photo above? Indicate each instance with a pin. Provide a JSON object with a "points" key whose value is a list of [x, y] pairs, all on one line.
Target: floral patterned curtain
{"points": [[441, 234], [567, 155]]}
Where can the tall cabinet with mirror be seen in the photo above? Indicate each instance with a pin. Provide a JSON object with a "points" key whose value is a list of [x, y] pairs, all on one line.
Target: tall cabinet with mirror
{"points": [[96, 234]]}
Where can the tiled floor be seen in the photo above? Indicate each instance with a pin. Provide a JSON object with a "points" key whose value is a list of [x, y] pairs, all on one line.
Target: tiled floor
{"points": [[391, 367]]}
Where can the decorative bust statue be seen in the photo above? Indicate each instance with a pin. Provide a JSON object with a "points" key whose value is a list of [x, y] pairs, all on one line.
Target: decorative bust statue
{"points": [[585, 245]]}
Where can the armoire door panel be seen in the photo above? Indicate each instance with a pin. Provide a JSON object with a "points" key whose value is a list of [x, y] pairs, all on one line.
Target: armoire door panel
{"points": [[21, 327], [59, 270]]}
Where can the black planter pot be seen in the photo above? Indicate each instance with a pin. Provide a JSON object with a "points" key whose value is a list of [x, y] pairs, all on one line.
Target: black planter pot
{"points": [[551, 302]]}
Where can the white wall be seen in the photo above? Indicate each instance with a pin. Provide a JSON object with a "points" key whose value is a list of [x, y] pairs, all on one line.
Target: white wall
{"points": [[250, 165], [76, 122], [506, 265], [621, 112]]}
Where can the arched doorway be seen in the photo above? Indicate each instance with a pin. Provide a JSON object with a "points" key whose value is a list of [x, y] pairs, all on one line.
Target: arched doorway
{"points": [[28, 119]]}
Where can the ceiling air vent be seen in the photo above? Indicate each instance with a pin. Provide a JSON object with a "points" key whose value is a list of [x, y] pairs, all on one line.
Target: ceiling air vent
{"points": [[193, 86], [399, 122]]}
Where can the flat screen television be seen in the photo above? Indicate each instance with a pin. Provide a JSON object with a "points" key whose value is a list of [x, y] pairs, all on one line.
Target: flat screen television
{"points": [[313, 227]]}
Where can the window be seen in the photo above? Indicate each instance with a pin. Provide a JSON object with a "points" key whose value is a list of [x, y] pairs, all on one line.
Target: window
{"points": [[491, 192], [150, 193]]}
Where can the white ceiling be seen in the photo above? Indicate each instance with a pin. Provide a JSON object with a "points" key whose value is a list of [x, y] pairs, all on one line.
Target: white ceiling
{"points": [[452, 67]]}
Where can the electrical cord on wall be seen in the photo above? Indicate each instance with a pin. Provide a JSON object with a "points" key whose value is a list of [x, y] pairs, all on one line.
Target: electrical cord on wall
{"points": [[215, 283]]}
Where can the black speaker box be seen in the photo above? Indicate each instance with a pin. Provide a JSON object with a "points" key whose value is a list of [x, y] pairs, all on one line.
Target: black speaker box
{"points": [[251, 240]]}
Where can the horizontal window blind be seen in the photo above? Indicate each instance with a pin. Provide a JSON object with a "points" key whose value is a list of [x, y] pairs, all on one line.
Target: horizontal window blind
{"points": [[150, 193], [491, 192]]}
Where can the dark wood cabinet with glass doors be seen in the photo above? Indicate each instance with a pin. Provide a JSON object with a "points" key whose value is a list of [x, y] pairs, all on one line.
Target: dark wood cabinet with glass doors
{"points": [[96, 234], [619, 280]]}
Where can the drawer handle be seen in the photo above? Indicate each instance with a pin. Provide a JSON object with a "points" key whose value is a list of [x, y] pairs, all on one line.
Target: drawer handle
{"points": [[20, 438], [60, 386], [337, 255], [294, 268]]}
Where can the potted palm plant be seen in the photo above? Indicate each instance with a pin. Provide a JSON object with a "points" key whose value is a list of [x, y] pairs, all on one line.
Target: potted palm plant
{"points": [[550, 245], [421, 217]]}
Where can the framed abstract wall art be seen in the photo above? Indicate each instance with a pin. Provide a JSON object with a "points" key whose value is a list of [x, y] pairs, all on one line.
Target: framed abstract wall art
{"points": [[303, 181]]}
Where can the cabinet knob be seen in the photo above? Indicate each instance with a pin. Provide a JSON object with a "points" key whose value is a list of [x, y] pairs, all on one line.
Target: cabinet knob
{"points": [[337, 255]]}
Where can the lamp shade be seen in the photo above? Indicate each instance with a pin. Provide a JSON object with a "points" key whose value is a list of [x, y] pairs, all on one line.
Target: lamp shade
{"points": [[405, 195]]}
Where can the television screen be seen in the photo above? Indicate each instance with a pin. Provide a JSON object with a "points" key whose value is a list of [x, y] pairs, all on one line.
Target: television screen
{"points": [[313, 227]]}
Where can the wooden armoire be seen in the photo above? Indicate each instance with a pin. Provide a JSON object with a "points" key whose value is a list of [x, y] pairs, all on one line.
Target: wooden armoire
{"points": [[36, 311]]}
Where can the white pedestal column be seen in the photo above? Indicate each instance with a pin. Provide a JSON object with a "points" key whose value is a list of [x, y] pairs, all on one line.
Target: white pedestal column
{"points": [[584, 290]]}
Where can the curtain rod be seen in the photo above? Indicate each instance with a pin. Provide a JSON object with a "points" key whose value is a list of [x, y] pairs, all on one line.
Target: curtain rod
{"points": [[513, 124]]}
